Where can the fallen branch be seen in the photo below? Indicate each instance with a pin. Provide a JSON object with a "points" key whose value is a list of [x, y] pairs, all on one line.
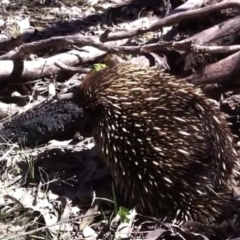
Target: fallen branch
{"points": [[29, 70], [188, 46], [63, 41], [216, 49], [219, 72], [156, 24], [53, 65], [26, 49], [96, 41], [45, 68], [218, 33], [189, 5], [72, 69], [215, 35], [165, 46]]}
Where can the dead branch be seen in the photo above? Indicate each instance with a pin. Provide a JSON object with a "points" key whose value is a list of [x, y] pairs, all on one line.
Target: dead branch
{"points": [[218, 72], [29, 70], [40, 68], [55, 64], [72, 69], [155, 24], [9, 44], [165, 46], [212, 36], [188, 46], [45, 67], [215, 36], [216, 49], [189, 5], [96, 41], [218, 33], [35, 47], [63, 41]]}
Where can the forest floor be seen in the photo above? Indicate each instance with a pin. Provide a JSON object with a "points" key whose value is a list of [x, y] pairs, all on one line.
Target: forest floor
{"points": [[52, 183]]}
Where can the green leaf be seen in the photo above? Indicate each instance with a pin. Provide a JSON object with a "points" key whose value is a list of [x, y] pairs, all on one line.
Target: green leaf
{"points": [[98, 66], [123, 212]]}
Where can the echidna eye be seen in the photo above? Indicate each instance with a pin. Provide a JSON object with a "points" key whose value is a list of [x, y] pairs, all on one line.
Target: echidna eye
{"points": [[88, 123], [97, 111], [93, 112]]}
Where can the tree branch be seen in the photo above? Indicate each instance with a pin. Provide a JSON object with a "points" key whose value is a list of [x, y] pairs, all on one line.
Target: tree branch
{"points": [[219, 72], [156, 24]]}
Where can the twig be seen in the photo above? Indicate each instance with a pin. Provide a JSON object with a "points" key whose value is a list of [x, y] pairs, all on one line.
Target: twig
{"points": [[164, 46], [72, 69], [216, 49], [52, 225]]}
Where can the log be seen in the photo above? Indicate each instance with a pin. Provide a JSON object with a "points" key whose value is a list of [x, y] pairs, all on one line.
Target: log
{"points": [[222, 34], [225, 70]]}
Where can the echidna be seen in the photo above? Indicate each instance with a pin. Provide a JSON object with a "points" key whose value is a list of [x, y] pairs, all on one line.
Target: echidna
{"points": [[167, 146]]}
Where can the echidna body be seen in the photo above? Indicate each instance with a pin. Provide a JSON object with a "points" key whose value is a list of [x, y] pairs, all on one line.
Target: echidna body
{"points": [[167, 146]]}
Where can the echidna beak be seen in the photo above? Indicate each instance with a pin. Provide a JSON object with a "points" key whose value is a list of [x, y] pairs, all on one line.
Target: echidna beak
{"points": [[65, 96], [71, 96]]}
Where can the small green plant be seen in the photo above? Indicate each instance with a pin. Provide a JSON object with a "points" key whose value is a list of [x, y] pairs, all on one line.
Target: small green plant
{"points": [[98, 66], [123, 213], [30, 163]]}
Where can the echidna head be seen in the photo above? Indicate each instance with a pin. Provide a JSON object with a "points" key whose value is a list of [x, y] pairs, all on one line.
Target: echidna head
{"points": [[92, 107]]}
